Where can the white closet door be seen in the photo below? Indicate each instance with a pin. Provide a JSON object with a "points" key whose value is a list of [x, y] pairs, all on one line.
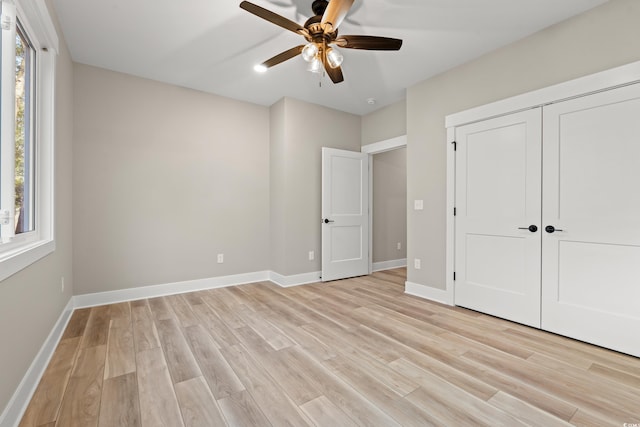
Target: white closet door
{"points": [[498, 196], [591, 269]]}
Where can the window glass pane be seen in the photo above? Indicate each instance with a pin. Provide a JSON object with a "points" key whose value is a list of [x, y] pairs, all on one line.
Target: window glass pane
{"points": [[24, 147]]}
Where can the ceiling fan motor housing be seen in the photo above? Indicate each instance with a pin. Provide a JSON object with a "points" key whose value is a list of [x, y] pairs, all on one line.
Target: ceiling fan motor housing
{"points": [[319, 6]]}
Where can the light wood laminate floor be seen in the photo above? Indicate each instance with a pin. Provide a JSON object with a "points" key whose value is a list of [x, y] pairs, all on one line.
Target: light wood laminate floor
{"points": [[345, 353]]}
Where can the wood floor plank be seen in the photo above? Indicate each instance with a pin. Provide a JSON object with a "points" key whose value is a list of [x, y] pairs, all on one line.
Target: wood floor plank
{"points": [[615, 376], [271, 400], [525, 412], [120, 310], [119, 403], [213, 299], [267, 331], [240, 410], [402, 411], [324, 413], [572, 388], [77, 323], [81, 404], [337, 390], [121, 357], [145, 334], [198, 406], [46, 401], [220, 377], [160, 308], [293, 382], [97, 329], [158, 402], [180, 361], [220, 332], [182, 309]]}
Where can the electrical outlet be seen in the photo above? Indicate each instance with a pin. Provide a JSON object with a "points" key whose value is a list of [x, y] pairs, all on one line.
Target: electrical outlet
{"points": [[418, 205], [417, 264], [62, 284], [220, 258], [399, 246], [312, 255]]}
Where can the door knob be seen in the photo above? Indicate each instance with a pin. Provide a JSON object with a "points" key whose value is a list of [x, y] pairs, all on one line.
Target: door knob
{"points": [[327, 220], [532, 228], [551, 229]]}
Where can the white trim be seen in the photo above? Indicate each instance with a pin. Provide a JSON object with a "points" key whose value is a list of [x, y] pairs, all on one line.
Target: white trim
{"points": [[388, 265], [19, 254], [41, 24], [295, 280], [132, 294], [386, 145], [427, 292], [619, 76], [450, 250], [17, 405]]}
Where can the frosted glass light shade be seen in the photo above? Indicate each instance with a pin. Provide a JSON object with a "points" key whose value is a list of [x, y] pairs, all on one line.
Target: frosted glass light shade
{"points": [[309, 52], [315, 66], [334, 57]]}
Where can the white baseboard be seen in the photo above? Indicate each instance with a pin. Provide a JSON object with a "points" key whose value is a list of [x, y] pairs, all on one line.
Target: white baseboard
{"points": [[14, 411], [131, 294], [294, 280], [427, 292], [388, 265]]}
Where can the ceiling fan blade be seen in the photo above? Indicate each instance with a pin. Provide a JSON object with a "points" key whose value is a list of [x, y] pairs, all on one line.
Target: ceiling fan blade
{"points": [[281, 57], [273, 17], [335, 74], [334, 14], [369, 43]]}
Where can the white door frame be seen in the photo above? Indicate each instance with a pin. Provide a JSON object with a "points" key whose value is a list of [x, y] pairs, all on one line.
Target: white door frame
{"points": [[583, 86], [371, 149]]}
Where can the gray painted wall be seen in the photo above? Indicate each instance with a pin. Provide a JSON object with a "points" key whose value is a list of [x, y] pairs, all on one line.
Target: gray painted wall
{"points": [[302, 130], [385, 123], [30, 300], [603, 38], [165, 179]]}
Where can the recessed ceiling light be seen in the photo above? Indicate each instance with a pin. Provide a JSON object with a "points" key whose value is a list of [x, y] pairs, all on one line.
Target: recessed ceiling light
{"points": [[371, 101], [259, 68]]}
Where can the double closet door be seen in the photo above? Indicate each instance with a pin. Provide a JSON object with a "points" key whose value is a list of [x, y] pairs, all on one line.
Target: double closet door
{"points": [[548, 218]]}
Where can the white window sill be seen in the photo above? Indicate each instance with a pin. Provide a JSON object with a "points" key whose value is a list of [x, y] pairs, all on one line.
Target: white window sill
{"points": [[22, 257]]}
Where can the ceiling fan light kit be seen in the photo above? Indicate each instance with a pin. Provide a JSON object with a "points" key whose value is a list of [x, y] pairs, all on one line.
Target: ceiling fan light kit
{"points": [[321, 33]]}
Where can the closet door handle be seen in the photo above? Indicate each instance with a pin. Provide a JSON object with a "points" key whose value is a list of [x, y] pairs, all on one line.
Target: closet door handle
{"points": [[551, 229], [532, 228]]}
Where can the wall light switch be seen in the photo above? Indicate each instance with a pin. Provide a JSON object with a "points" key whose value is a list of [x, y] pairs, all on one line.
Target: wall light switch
{"points": [[418, 205]]}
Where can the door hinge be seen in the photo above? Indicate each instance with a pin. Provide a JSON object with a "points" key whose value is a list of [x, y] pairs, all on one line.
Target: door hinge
{"points": [[455, 145], [454, 275], [455, 211]]}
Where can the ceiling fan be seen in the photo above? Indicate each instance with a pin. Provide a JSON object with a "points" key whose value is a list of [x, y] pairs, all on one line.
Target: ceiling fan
{"points": [[321, 34]]}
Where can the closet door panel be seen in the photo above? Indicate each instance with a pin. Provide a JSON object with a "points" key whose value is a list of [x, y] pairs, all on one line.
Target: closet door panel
{"points": [[591, 191], [498, 197]]}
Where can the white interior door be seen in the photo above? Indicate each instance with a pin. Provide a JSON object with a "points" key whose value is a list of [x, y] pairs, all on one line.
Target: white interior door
{"points": [[498, 196], [591, 269], [345, 216]]}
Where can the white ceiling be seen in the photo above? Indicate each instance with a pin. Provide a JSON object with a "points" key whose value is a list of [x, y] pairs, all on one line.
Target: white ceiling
{"points": [[212, 45]]}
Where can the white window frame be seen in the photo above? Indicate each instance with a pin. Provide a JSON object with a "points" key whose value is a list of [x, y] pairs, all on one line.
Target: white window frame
{"points": [[27, 248]]}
